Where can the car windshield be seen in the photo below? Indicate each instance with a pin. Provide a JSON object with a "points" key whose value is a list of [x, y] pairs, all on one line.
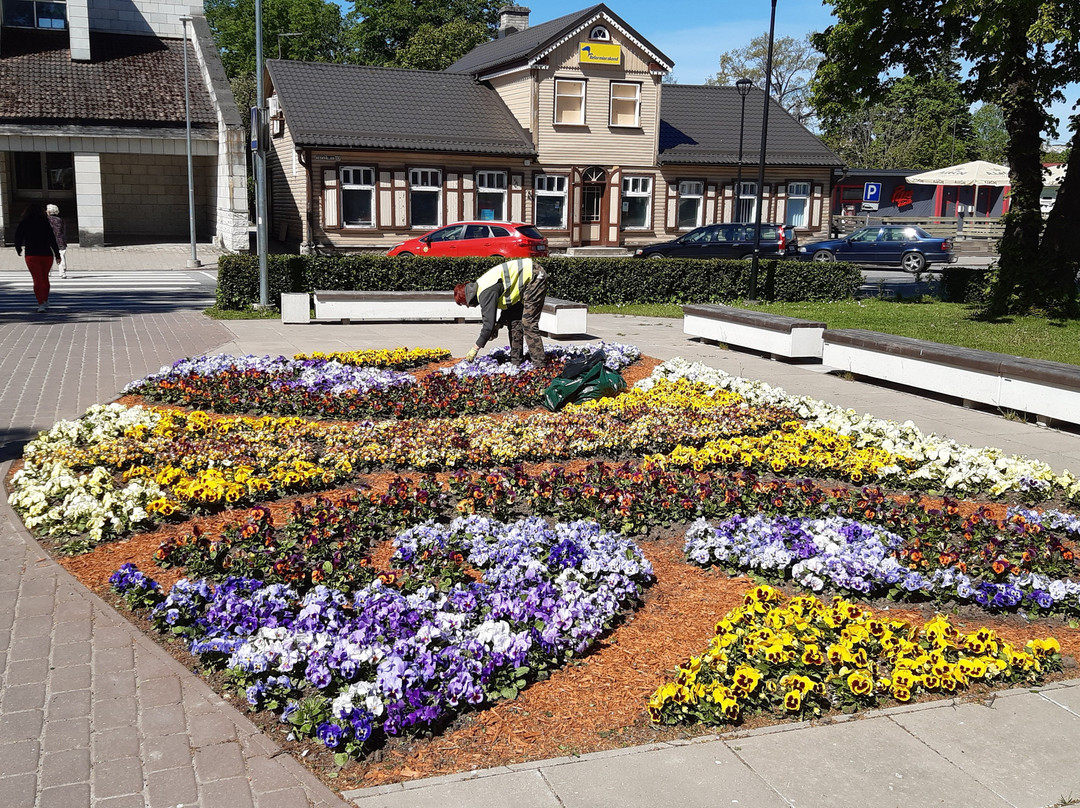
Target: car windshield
{"points": [[530, 232], [865, 234], [694, 236], [451, 233]]}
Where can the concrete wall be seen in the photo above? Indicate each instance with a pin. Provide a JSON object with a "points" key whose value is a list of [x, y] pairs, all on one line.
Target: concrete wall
{"points": [[157, 17], [147, 195]]}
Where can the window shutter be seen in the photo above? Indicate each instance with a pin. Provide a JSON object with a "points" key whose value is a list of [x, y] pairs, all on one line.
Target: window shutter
{"points": [[331, 213]]}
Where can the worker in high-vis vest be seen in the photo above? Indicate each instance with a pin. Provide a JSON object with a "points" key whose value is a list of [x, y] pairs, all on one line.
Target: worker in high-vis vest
{"points": [[517, 288]]}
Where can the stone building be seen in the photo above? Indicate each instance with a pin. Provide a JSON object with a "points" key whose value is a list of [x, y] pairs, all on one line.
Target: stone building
{"points": [[93, 119]]}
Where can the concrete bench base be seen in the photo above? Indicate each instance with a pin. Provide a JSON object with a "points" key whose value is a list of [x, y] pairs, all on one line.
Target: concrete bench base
{"points": [[560, 318], [1048, 390], [774, 334]]}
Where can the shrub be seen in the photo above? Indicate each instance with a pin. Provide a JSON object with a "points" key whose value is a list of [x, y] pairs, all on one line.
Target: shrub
{"points": [[593, 281]]}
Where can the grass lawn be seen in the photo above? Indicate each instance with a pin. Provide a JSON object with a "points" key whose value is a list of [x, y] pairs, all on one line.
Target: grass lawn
{"points": [[950, 323]]}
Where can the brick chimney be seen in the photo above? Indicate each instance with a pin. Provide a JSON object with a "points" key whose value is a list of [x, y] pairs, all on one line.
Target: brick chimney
{"points": [[512, 19]]}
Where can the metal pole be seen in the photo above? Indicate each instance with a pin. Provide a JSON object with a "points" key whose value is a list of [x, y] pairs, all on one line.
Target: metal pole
{"points": [[260, 164], [194, 261], [743, 86], [761, 160]]}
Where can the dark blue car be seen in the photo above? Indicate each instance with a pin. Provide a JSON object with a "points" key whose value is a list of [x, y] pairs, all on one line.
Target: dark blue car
{"points": [[909, 247]]}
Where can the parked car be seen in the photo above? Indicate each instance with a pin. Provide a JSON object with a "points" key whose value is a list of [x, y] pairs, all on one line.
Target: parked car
{"points": [[909, 247], [726, 241], [498, 239]]}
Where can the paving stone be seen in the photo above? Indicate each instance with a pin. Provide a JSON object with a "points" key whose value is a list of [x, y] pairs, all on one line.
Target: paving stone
{"points": [[115, 685], [172, 787], [40, 626], [23, 697], [125, 801], [160, 691], [29, 648], [25, 725], [117, 742], [20, 757], [40, 606], [207, 730], [64, 768], [234, 792], [72, 631], [69, 704], [164, 720], [77, 677], [27, 671], [66, 796], [113, 660], [117, 776], [268, 775], [284, 798], [166, 752], [60, 735], [219, 762], [72, 653], [110, 713], [18, 791]]}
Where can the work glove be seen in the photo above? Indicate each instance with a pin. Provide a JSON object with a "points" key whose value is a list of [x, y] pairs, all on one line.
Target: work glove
{"points": [[471, 355]]}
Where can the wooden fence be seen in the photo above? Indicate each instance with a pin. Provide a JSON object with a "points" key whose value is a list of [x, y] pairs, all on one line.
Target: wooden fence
{"points": [[966, 227]]}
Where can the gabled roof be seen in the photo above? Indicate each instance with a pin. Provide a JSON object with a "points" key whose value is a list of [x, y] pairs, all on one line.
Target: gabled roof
{"points": [[357, 106], [131, 80], [526, 48], [699, 125]]}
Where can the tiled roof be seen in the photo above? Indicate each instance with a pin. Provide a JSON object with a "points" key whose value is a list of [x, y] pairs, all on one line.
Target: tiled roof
{"points": [[131, 80], [355, 106], [518, 48], [699, 125]]}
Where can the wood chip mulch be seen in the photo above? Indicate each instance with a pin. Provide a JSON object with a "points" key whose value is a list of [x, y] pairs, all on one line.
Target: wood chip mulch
{"points": [[595, 703]]}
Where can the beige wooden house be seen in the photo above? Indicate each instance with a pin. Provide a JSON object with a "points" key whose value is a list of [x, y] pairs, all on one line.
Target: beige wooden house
{"points": [[566, 125]]}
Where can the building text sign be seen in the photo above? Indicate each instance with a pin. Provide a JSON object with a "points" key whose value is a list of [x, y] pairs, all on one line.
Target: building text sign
{"points": [[603, 53]]}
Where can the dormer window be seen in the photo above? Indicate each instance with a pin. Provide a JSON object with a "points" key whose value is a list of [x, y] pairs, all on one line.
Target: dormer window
{"points": [[35, 14], [599, 32]]}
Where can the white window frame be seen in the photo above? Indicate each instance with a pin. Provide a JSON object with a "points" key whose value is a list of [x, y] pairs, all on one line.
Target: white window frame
{"points": [[357, 179], [492, 182], [550, 185], [637, 104], [745, 191], [599, 32], [690, 189], [638, 187], [798, 191], [559, 84], [426, 180]]}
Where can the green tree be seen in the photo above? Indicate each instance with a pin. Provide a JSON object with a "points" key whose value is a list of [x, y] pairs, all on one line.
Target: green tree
{"points": [[904, 129], [232, 22], [1021, 54], [991, 139], [793, 65], [436, 47], [381, 31]]}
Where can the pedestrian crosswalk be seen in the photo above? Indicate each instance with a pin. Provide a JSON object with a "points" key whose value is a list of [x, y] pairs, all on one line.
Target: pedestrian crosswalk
{"points": [[130, 291]]}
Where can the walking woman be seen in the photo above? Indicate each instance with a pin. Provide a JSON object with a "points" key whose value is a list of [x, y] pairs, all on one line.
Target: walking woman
{"points": [[35, 235]]}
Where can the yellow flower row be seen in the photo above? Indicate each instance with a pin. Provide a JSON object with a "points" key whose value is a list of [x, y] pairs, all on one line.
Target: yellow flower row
{"points": [[382, 358], [804, 656]]}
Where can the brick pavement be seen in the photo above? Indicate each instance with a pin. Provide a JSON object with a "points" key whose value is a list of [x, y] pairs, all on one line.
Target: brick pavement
{"points": [[92, 712]]}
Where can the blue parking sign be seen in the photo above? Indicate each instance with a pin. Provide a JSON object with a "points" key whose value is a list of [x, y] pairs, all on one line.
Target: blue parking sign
{"points": [[871, 192]]}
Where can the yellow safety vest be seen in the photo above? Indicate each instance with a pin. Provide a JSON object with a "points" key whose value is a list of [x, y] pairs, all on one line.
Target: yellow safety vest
{"points": [[515, 275]]}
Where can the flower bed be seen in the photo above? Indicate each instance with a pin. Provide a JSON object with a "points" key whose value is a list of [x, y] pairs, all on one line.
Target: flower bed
{"points": [[802, 658], [393, 659]]}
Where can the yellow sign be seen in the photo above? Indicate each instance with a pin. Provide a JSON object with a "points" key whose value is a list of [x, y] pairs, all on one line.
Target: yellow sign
{"points": [[602, 53]]}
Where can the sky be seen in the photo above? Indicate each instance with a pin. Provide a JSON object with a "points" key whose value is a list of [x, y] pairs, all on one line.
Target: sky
{"points": [[694, 34]]}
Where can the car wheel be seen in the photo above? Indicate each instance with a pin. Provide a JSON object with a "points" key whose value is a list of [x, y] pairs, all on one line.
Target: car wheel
{"points": [[824, 256], [913, 262], [657, 255], [404, 255]]}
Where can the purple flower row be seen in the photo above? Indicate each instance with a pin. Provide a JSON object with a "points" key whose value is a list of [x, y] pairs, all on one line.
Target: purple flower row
{"points": [[857, 557], [399, 660]]}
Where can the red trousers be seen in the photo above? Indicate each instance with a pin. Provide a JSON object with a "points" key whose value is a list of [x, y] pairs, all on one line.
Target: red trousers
{"points": [[39, 266]]}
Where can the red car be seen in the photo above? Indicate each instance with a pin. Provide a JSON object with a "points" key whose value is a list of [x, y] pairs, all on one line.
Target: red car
{"points": [[498, 239]]}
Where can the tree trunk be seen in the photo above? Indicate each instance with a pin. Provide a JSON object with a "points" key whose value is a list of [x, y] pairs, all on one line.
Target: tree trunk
{"points": [[1059, 256]]}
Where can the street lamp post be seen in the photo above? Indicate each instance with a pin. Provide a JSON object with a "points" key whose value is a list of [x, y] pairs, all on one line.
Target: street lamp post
{"points": [[761, 160], [260, 164], [194, 261], [743, 85]]}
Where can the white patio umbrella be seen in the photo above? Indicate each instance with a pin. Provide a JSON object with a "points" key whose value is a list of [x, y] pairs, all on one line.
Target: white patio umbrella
{"points": [[977, 172]]}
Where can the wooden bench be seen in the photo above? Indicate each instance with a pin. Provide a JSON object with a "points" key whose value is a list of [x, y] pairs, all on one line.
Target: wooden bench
{"points": [[1048, 390], [774, 334], [560, 318]]}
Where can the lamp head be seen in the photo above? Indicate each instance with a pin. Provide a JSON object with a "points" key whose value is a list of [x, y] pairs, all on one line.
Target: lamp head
{"points": [[743, 85]]}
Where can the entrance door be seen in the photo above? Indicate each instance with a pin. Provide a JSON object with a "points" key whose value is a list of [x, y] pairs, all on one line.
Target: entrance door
{"points": [[593, 204]]}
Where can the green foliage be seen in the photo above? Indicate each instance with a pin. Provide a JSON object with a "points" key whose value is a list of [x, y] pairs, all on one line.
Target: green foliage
{"points": [[381, 31], [593, 281], [232, 23], [965, 284], [436, 47], [794, 62], [990, 137]]}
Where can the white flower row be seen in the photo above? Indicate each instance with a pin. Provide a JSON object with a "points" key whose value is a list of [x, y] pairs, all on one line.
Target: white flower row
{"points": [[942, 462]]}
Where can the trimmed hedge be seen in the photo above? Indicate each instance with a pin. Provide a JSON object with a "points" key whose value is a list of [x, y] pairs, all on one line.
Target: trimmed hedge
{"points": [[592, 281]]}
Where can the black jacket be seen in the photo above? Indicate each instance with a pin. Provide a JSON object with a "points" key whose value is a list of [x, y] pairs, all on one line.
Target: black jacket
{"points": [[36, 237]]}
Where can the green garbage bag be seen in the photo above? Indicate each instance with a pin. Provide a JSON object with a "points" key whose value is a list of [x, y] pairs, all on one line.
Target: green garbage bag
{"points": [[596, 382]]}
